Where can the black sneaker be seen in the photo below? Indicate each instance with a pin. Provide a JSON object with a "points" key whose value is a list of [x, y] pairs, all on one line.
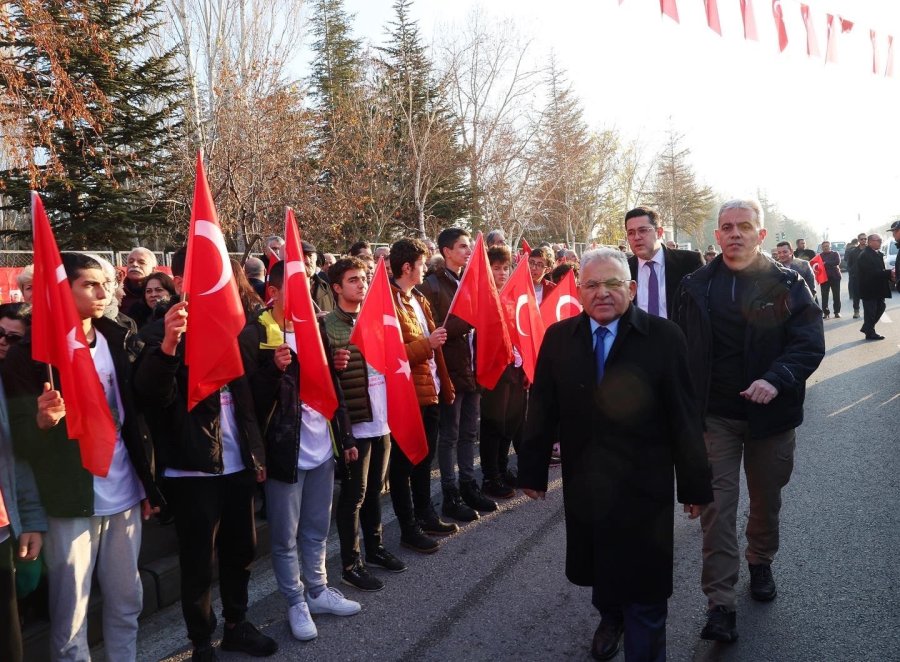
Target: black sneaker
{"points": [[358, 577], [762, 583], [837, 316], [454, 507], [245, 638], [511, 478], [498, 489], [721, 625], [204, 654], [474, 498], [415, 539], [384, 559], [434, 525]]}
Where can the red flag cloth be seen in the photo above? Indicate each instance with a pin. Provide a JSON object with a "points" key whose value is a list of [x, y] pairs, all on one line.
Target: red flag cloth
{"points": [[562, 303], [216, 315], [889, 65], [526, 330], [712, 16], [477, 302], [377, 334], [316, 385], [818, 267], [273, 257], [669, 8], [778, 13], [525, 247], [812, 44], [876, 59], [749, 20], [834, 23], [57, 338]]}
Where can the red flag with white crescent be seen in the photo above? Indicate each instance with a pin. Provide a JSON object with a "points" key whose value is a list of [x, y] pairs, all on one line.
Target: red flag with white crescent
{"points": [[477, 302], [817, 264], [812, 43], [712, 16], [316, 385], [562, 303], [57, 338], [378, 336], [523, 318], [215, 313], [778, 13], [749, 20]]}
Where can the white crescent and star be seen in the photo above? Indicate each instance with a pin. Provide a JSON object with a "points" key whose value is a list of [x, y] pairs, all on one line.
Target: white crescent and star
{"points": [[292, 268], [563, 300], [60, 274], [73, 343], [520, 302], [212, 232], [404, 368]]}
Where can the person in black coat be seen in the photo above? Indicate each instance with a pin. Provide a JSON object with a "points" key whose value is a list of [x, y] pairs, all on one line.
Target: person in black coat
{"points": [[669, 265], [874, 284], [626, 431]]}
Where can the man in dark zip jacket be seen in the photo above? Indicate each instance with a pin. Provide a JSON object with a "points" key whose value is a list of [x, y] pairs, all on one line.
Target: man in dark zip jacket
{"points": [[755, 336], [212, 457]]}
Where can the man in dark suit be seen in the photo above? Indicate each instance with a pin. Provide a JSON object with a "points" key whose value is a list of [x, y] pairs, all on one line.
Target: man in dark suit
{"points": [[612, 384], [655, 269], [874, 285]]}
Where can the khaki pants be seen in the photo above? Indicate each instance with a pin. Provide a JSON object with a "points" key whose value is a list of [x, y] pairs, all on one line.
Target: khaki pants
{"points": [[767, 464]]}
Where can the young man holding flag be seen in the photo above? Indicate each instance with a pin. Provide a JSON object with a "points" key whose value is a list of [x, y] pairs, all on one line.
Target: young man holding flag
{"points": [[366, 398], [94, 520], [301, 453]]}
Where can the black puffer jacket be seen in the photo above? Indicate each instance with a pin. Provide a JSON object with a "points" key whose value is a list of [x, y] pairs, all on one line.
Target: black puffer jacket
{"points": [[785, 340], [439, 288]]}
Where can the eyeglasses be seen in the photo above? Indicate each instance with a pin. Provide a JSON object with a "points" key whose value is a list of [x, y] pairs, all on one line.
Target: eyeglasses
{"points": [[644, 230], [11, 338], [537, 264], [613, 284]]}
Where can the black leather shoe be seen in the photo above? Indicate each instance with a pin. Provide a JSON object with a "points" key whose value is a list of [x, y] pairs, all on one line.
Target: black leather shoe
{"points": [[721, 625], [607, 638], [434, 525], [384, 559], [358, 576], [245, 638], [415, 539], [874, 336], [204, 654], [497, 488], [762, 584], [472, 495], [454, 507]]}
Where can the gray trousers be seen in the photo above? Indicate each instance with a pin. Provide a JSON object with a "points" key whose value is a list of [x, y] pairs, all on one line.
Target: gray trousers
{"points": [[457, 436], [73, 547], [768, 464], [299, 517]]}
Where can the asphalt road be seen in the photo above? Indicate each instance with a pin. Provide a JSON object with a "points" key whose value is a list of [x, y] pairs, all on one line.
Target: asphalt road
{"points": [[496, 591]]}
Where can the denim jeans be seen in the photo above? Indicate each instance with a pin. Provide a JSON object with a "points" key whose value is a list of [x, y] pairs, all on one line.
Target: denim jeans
{"points": [[299, 517], [359, 504], [457, 437]]}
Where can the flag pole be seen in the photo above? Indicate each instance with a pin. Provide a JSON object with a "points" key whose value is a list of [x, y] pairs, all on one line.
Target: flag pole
{"points": [[50, 377]]}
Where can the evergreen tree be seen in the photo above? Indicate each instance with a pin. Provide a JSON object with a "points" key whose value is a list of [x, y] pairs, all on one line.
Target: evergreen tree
{"points": [[108, 185], [336, 61]]}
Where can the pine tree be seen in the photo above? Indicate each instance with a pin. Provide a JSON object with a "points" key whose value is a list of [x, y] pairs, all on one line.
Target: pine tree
{"points": [[109, 183], [336, 61]]}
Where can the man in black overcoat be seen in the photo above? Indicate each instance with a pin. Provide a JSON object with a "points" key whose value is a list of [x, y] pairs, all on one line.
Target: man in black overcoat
{"points": [[612, 384], [874, 285]]}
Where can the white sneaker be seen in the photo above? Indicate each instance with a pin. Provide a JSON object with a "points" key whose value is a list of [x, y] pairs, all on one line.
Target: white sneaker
{"points": [[302, 626], [332, 601]]}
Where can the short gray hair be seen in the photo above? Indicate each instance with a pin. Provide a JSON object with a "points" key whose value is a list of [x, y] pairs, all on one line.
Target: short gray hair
{"points": [[25, 276], [880, 238], [493, 235], [254, 268], [606, 255], [744, 203]]}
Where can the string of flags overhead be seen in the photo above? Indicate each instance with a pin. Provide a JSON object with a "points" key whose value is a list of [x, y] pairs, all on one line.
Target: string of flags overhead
{"points": [[835, 27]]}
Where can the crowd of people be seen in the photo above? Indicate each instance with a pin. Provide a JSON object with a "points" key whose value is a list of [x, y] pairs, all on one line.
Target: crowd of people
{"points": [[680, 366]]}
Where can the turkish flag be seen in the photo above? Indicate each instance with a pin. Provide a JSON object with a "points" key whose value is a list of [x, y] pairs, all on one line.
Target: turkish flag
{"points": [[215, 313], [316, 385], [523, 319], [562, 303], [57, 338], [668, 8], [818, 267], [778, 13], [712, 16], [477, 302], [749, 20], [836, 27], [273, 257], [889, 66], [377, 334], [525, 247], [812, 43]]}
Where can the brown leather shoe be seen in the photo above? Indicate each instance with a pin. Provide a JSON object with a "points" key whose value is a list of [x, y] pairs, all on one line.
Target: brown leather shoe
{"points": [[607, 638]]}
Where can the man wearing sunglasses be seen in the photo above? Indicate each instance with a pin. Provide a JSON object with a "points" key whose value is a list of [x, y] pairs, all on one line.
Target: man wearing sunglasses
{"points": [[15, 318], [603, 378]]}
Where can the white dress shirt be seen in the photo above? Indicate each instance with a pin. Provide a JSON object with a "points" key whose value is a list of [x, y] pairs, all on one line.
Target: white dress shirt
{"points": [[643, 278]]}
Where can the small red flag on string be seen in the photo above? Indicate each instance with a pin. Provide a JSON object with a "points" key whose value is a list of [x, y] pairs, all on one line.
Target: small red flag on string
{"points": [[57, 339], [712, 16], [668, 8], [889, 65], [778, 13], [876, 59], [749, 20], [812, 43]]}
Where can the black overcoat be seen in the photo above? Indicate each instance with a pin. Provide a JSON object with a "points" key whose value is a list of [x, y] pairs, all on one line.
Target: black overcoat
{"points": [[621, 445], [874, 279]]}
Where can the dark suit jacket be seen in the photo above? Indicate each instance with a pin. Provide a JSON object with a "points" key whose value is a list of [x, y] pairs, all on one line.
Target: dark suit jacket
{"points": [[622, 444], [874, 278], [679, 263]]}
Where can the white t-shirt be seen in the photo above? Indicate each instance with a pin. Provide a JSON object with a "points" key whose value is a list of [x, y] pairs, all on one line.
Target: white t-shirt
{"points": [[378, 426], [121, 489], [232, 462], [423, 322], [539, 292], [315, 433]]}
